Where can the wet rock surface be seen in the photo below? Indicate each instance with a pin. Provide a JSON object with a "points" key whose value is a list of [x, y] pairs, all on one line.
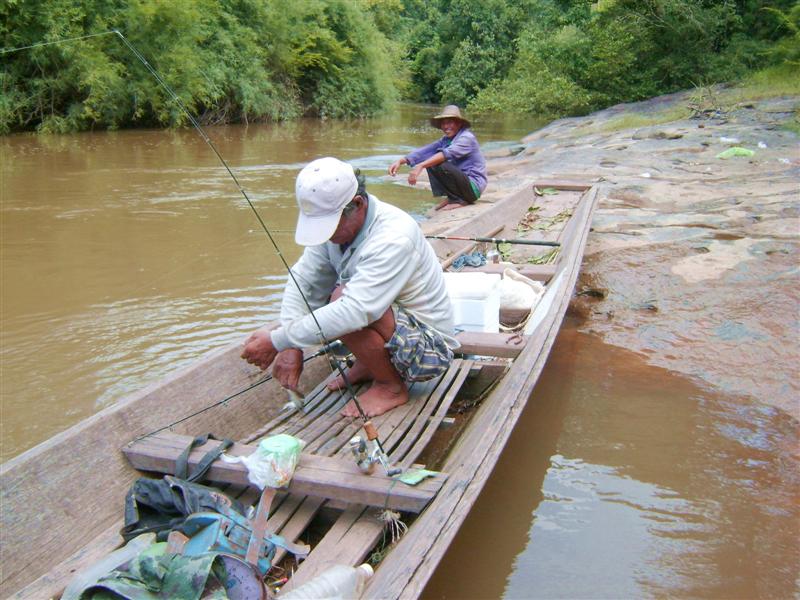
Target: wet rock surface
{"points": [[697, 257]]}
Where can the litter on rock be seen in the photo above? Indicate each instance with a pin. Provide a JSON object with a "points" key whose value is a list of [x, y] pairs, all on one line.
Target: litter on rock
{"points": [[735, 151]]}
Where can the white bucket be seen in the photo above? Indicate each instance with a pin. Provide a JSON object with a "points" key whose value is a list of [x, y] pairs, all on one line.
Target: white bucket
{"points": [[476, 301]]}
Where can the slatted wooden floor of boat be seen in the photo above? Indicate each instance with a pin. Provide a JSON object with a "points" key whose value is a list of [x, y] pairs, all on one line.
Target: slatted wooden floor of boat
{"points": [[404, 432]]}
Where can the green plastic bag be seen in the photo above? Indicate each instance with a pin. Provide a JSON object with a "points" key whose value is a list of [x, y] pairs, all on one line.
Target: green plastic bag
{"points": [[735, 151], [414, 476]]}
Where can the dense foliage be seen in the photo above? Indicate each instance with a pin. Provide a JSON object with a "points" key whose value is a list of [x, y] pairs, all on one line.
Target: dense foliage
{"points": [[457, 47], [583, 55], [555, 57], [227, 60], [245, 60]]}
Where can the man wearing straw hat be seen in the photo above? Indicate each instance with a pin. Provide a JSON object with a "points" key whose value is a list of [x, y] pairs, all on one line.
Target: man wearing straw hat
{"points": [[456, 168]]}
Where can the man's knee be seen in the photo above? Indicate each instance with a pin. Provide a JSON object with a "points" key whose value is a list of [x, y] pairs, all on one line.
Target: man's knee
{"points": [[383, 325]]}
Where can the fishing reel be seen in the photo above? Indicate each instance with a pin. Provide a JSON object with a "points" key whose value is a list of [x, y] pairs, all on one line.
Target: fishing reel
{"points": [[339, 354], [493, 255], [367, 452]]}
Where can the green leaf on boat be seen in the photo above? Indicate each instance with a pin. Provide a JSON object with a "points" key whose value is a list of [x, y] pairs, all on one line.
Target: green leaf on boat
{"points": [[544, 259], [548, 191]]}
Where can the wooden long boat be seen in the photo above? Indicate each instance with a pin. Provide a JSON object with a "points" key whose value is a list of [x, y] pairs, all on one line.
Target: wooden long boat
{"points": [[61, 502]]}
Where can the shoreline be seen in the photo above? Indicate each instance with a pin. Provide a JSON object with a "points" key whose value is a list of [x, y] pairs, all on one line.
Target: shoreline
{"points": [[693, 259]]}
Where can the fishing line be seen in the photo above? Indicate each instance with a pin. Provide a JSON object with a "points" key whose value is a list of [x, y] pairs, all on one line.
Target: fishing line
{"points": [[59, 41], [202, 133], [207, 408], [261, 222], [225, 400]]}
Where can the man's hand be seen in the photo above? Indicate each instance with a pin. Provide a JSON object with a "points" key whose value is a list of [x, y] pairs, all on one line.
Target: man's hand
{"points": [[288, 366], [258, 349], [395, 166], [413, 175]]}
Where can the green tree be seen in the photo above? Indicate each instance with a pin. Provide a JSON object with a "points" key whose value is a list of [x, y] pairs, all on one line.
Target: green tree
{"points": [[227, 60], [580, 56], [459, 46]]}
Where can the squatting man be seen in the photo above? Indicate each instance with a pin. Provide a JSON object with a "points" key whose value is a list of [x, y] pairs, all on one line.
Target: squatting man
{"points": [[372, 281]]}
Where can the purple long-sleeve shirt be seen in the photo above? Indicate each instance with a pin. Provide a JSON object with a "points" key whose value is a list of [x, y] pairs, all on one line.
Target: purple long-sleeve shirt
{"points": [[462, 151]]}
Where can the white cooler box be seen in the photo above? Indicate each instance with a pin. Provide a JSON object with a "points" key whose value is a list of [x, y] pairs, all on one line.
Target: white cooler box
{"points": [[476, 301]]}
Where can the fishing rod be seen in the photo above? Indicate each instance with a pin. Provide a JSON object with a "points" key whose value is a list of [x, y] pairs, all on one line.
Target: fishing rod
{"points": [[268, 378], [368, 427], [492, 240]]}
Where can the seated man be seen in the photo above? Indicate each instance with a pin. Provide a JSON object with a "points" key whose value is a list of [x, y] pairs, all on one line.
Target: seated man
{"points": [[456, 168], [371, 280]]}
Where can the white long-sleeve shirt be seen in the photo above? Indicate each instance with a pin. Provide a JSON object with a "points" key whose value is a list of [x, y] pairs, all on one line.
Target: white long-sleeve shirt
{"points": [[388, 263]]}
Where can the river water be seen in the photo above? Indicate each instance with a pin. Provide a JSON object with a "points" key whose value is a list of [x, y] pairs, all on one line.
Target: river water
{"points": [[126, 255]]}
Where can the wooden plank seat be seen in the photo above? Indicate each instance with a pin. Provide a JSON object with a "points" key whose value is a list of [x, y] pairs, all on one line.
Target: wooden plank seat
{"points": [[542, 273], [563, 185], [323, 476], [501, 345]]}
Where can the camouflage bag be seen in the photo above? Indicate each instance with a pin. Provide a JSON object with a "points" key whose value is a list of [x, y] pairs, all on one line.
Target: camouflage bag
{"points": [[157, 575]]}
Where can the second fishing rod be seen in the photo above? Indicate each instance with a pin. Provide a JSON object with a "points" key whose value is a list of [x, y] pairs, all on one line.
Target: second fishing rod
{"points": [[491, 240]]}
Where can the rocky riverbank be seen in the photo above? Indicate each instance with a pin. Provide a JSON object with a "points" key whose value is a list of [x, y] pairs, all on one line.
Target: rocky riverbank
{"points": [[693, 260]]}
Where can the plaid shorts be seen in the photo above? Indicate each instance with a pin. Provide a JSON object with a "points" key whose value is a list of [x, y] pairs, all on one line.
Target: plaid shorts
{"points": [[416, 350]]}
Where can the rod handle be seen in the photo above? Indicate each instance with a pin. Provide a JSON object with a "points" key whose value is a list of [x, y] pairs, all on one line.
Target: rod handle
{"points": [[370, 430]]}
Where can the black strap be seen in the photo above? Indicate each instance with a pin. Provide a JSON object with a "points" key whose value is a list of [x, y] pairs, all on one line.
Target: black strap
{"points": [[182, 464]]}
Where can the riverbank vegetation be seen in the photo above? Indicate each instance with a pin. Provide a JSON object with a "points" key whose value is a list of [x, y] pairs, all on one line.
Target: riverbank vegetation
{"points": [[256, 60], [227, 60], [591, 56]]}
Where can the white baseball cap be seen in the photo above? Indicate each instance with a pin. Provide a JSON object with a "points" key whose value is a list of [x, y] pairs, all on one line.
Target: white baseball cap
{"points": [[323, 188]]}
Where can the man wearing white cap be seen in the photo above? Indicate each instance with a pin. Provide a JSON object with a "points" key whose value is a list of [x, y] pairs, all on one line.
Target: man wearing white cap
{"points": [[372, 280]]}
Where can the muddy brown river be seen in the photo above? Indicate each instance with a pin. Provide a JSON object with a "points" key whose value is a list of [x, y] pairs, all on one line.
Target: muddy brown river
{"points": [[126, 255]]}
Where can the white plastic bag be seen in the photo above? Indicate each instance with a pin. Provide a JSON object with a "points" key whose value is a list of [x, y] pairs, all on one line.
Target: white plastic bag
{"points": [[273, 462], [518, 292]]}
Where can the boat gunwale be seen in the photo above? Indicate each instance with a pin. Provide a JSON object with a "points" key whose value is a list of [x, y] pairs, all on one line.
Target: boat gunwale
{"points": [[399, 575]]}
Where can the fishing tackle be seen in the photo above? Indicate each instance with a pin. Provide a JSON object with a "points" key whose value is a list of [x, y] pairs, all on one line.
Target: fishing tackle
{"points": [[367, 453], [492, 240], [383, 457]]}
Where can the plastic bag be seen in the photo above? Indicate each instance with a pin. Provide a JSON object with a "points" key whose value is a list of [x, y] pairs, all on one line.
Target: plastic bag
{"points": [[339, 582], [273, 462], [735, 151], [414, 476], [518, 292]]}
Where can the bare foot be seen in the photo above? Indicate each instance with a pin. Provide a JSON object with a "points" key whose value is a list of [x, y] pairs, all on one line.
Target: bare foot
{"points": [[380, 398], [357, 374], [453, 206], [442, 204]]}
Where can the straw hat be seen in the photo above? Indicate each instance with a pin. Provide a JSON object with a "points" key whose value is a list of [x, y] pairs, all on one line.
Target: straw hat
{"points": [[451, 111]]}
